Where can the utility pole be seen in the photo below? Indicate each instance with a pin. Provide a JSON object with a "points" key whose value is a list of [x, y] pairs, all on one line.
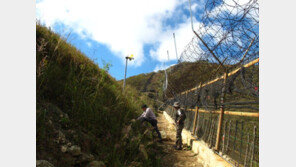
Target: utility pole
{"points": [[166, 75], [127, 58], [191, 15], [176, 48], [165, 86]]}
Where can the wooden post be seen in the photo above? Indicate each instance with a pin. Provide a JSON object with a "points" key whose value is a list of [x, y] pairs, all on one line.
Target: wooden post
{"points": [[222, 112], [195, 120]]}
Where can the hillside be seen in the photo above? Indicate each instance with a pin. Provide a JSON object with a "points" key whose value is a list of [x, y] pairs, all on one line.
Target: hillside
{"points": [[187, 75], [83, 118], [181, 77]]}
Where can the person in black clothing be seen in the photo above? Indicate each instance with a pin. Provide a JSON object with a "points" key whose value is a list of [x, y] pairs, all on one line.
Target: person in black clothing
{"points": [[179, 120]]}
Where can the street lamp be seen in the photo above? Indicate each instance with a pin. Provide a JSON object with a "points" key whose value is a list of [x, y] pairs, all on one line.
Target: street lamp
{"points": [[127, 58]]}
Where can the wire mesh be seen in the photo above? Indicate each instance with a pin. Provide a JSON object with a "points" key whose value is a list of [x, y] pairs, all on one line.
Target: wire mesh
{"points": [[226, 41]]}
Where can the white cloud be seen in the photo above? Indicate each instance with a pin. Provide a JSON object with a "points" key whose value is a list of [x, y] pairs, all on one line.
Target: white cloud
{"points": [[183, 35], [232, 7], [89, 44], [196, 5], [124, 26]]}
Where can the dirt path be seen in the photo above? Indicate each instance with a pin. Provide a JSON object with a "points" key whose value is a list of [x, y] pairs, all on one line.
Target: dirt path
{"points": [[174, 158]]}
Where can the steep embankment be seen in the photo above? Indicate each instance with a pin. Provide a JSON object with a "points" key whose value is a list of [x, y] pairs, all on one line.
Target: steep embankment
{"points": [[83, 118]]}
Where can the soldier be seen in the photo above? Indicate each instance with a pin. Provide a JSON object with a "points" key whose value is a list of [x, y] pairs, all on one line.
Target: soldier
{"points": [[179, 120]]}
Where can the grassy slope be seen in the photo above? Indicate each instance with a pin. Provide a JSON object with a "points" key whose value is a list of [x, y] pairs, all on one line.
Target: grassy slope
{"points": [[188, 73], [93, 100]]}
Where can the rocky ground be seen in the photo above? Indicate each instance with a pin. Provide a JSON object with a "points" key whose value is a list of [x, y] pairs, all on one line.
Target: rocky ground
{"points": [[172, 157], [60, 145], [57, 142]]}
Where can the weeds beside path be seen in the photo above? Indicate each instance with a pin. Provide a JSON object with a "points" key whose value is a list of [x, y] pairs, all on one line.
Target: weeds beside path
{"points": [[172, 157]]}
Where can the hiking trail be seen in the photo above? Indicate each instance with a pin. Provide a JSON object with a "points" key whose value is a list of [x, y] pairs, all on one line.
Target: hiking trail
{"points": [[172, 157]]}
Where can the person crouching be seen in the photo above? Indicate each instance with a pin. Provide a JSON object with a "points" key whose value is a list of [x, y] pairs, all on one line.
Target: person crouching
{"points": [[150, 117]]}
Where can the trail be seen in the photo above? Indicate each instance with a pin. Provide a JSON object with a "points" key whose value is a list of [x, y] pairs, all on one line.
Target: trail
{"points": [[172, 157]]}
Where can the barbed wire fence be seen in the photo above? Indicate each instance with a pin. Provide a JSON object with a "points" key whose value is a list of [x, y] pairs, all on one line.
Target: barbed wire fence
{"points": [[222, 98]]}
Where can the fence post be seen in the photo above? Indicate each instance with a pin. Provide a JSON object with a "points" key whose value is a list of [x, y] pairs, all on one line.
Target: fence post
{"points": [[222, 112], [195, 120]]}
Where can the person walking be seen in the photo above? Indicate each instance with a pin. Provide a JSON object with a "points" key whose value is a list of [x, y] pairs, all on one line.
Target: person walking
{"points": [[179, 120], [150, 117]]}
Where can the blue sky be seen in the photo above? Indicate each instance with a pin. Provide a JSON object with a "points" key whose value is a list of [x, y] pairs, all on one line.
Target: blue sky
{"points": [[108, 31]]}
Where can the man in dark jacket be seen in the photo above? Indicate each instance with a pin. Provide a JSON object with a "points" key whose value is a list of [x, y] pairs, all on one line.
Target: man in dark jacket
{"points": [[179, 120], [150, 117]]}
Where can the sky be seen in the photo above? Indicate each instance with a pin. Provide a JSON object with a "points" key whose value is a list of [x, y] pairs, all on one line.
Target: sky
{"points": [[108, 31]]}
